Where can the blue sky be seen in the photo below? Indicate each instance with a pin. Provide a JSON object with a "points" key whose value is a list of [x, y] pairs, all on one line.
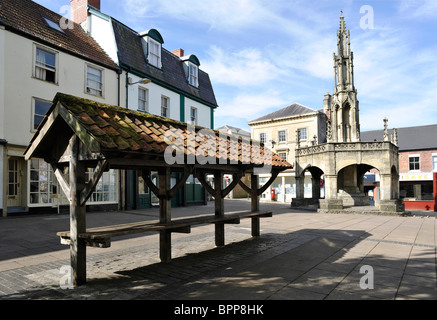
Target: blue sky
{"points": [[265, 55]]}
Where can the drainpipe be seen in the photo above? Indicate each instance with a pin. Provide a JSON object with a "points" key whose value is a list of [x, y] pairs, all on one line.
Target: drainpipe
{"points": [[119, 73], [5, 181]]}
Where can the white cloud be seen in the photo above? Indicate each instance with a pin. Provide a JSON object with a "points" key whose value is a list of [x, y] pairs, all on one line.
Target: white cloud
{"points": [[250, 106], [247, 67], [218, 13]]}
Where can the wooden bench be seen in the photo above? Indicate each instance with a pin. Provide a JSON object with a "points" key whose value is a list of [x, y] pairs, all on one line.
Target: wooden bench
{"points": [[100, 237]]}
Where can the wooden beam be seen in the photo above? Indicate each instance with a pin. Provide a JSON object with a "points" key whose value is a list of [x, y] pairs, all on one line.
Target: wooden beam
{"points": [[235, 179], [62, 181], [164, 214], [187, 172], [254, 199], [91, 185], [268, 183], [201, 177], [146, 177], [219, 209], [77, 215]]}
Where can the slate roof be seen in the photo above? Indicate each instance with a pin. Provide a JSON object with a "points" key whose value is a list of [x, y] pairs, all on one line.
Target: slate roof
{"points": [[130, 53], [26, 18], [290, 111], [409, 138], [130, 133]]}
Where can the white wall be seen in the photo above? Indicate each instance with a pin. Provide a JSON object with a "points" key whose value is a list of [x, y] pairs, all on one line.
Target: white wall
{"points": [[103, 33], [2, 81], [203, 113], [21, 87]]}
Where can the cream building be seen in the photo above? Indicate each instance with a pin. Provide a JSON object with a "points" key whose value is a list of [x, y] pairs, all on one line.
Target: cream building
{"points": [[38, 59], [281, 131]]}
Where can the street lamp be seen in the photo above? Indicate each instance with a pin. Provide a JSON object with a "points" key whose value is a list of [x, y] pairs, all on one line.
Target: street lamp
{"points": [[142, 81]]}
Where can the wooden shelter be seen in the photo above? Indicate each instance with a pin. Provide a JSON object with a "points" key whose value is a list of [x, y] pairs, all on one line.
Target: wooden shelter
{"points": [[77, 134]]}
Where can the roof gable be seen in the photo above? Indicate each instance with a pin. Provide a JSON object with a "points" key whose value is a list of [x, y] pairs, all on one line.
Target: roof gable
{"points": [[290, 111]]}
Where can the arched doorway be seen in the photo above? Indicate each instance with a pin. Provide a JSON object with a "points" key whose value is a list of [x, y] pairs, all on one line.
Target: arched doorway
{"points": [[350, 185]]}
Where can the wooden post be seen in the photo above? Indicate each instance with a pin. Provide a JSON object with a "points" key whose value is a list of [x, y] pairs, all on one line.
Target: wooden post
{"points": [[219, 209], [77, 214], [254, 181], [164, 214]]}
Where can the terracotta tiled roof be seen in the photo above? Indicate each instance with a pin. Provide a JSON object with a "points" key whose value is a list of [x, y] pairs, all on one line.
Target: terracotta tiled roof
{"points": [[132, 134], [27, 18]]}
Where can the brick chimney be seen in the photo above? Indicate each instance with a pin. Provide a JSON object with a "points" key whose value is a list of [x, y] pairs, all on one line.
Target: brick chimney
{"points": [[79, 9], [179, 53]]}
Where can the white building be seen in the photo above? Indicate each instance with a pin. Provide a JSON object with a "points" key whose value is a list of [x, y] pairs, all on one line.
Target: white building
{"points": [[154, 80], [38, 58]]}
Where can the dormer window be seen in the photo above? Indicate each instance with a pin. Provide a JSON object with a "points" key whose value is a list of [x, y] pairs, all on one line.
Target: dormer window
{"points": [[191, 67], [193, 78], [154, 54], [152, 46]]}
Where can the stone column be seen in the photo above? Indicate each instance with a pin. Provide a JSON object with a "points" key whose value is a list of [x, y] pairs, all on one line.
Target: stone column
{"points": [[331, 202]]}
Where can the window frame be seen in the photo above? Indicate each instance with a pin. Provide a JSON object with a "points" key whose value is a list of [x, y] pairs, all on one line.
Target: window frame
{"points": [[434, 162], [284, 153], [263, 134], [193, 79], [167, 107], [300, 134], [88, 88], [284, 136], [144, 101], [34, 114], [195, 116], [410, 163], [35, 65], [150, 54]]}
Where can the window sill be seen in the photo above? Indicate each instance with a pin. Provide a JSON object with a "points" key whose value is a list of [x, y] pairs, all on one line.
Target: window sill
{"points": [[45, 81]]}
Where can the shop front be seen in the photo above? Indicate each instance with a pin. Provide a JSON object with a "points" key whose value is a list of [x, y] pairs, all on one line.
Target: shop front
{"points": [[418, 190]]}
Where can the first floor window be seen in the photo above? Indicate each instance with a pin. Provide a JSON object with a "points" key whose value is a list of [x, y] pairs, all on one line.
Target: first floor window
{"points": [[40, 109], [283, 155], [45, 65], [142, 99], [193, 116], [303, 134], [434, 163], [414, 162], [165, 107], [263, 137], [282, 137], [94, 81]]}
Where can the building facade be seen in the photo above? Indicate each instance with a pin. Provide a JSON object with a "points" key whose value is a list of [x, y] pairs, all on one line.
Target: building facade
{"points": [[38, 58], [417, 165], [153, 80], [281, 131]]}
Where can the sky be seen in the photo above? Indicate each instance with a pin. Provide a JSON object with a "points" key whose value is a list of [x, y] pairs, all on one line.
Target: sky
{"points": [[264, 55]]}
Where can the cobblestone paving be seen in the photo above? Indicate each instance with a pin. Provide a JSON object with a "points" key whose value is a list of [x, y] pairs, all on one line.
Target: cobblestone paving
{"points": [[298, 256]]}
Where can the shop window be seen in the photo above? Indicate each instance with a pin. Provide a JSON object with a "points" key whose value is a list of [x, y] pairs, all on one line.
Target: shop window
{"points": [[43, 186], [105, 190]]}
